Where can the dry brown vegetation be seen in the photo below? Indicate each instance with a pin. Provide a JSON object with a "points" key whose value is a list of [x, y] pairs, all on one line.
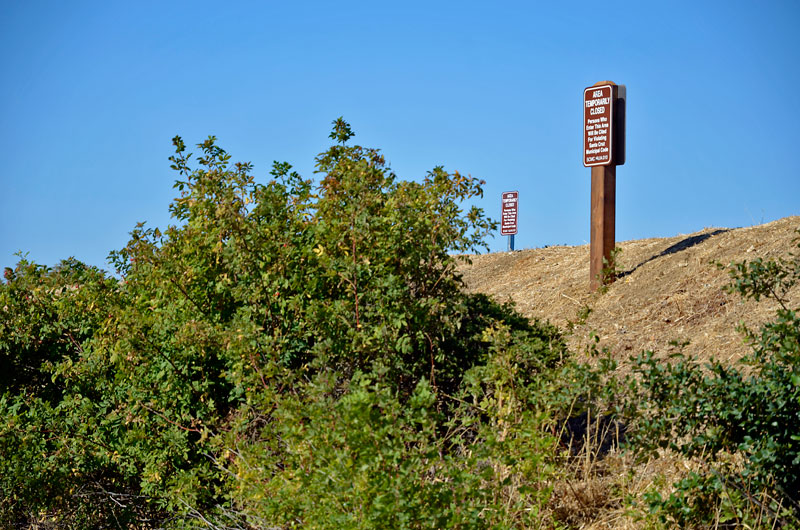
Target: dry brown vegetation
{"points": [[669, 290]]}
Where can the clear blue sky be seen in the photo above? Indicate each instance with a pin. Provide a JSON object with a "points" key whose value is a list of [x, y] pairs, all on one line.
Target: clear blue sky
{"points": [[91, 94]]}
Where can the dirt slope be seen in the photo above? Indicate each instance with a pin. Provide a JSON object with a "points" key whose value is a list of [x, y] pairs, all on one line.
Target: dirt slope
{"points": [[670, 289]]}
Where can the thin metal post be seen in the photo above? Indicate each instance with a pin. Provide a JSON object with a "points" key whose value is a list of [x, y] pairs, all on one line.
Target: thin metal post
{"points": [[511, 243]]}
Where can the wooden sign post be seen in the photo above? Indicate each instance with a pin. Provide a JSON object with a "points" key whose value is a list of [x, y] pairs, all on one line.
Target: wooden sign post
{"points": [[603, 151]]}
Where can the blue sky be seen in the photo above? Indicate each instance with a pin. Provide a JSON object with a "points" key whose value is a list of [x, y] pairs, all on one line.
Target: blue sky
{"points": [[93, 92]]}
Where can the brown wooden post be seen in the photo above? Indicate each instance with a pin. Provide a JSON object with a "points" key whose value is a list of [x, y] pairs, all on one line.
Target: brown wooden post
{"points": [[603, 150], [604, 200]]}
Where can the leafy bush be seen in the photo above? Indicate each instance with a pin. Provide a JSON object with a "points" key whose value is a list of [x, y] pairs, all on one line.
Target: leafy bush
{"points": [[290, 353], [741, 423], [369, 460]]}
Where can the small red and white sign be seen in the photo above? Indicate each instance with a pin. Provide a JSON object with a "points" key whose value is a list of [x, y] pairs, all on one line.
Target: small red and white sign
{"points": [[508, 216]]}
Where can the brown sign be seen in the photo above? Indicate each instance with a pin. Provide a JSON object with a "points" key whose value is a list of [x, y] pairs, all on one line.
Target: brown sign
{"points": [[508, 222], [598, 111]]}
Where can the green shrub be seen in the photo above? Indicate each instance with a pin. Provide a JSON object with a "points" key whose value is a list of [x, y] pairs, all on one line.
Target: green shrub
{"points": [[741, 423], [365, 457], [291, 352]]}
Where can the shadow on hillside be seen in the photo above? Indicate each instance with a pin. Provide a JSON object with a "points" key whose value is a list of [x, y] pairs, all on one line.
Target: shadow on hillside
{"points": [[677, 247]]}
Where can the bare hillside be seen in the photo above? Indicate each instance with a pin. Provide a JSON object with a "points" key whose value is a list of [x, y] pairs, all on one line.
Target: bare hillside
{"points": [[670, 289]]}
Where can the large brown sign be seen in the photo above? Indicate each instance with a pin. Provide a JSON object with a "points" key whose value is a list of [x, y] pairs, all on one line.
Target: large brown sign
{"points": [[598, 111], [508, 221]]}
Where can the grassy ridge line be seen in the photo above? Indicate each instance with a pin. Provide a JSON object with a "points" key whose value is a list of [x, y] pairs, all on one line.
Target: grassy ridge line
{"points": [[671, 289]]}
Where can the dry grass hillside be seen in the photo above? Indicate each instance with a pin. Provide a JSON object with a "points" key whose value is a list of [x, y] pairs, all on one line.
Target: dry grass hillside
{"points": [[669, 289]]}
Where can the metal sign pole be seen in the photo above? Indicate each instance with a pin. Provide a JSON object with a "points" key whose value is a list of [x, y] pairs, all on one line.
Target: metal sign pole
{"points": [[511, 243]]}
